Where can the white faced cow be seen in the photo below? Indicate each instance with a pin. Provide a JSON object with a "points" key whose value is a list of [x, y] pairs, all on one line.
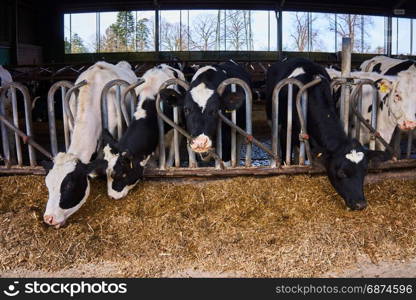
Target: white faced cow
{"points": [[386, 65], [397, 103], [125, 160], [68, 183]]}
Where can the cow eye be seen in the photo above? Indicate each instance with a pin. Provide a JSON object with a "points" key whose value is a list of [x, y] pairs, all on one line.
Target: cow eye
{"points": [[124, 175], [397, 97], [213, 113], [186, 111]]}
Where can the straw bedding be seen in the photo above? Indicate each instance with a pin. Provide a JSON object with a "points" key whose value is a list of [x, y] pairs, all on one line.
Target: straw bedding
{"points": [[261, 227]]}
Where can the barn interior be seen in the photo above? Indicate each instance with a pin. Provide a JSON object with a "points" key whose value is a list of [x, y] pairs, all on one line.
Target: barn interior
{"points": [[239, 227]]}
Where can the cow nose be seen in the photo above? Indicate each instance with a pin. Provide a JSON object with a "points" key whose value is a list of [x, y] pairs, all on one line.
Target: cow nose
{"points": [[408, 125], [359, 205], [201, 143], [48, 219]]}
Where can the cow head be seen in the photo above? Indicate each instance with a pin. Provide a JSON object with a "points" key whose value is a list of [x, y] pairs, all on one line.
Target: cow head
{"points": [[200, 106], [68, 186], [402, 98], [123, 170], [346, 170]]}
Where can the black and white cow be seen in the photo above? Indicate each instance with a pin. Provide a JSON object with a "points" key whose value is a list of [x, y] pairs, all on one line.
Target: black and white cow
{"points": [[202, 102], [345, 159], [386, 65], [397, 102], [67, 180], [125, 160]]}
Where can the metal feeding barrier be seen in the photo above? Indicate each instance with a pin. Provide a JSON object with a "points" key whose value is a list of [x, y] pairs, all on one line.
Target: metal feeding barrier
{"points": [[119, 104], [10, 127], [216, 153]]}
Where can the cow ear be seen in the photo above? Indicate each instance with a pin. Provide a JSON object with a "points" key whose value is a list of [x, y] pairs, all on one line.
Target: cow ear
{"points": [[108, 139], [232, 100], [98, 165], [378, 156], [47, 165], [171, 96], [384, 85]]}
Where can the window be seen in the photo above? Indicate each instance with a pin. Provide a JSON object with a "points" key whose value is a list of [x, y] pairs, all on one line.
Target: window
{"points": [[123, 31]]}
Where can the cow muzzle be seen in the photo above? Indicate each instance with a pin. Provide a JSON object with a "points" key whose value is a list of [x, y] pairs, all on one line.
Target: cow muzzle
{"points": [[358, 205], [51, 220], [407, 125], [201, 144]]}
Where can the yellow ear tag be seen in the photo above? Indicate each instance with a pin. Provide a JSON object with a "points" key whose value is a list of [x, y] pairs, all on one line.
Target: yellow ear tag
{"points": [[384, 88]]}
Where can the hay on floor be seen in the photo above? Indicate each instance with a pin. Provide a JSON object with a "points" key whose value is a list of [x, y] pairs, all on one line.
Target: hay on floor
{"points": [[275, 226]]}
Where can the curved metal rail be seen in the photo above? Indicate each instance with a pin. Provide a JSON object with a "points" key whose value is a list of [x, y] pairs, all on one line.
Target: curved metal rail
{"points": [[133, 100], [117, 83], [177, 129], [358, 114], [64, 85]]}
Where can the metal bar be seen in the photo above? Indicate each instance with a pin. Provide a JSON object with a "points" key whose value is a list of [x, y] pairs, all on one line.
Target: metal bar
{"points": [[67, 136], [162, 117], [374, 103], [303, 136], [26, 138], [133, 100], [248, 106], [4, 133], [162, 151], [176, 138], [288, 158], [104, 104], [51, 113], [219, 144], [305, 116], [384, 170], [16, 124], [361, 118], [68, 95], [345, 73], [234, 140], [359, 108], [118, 111]]}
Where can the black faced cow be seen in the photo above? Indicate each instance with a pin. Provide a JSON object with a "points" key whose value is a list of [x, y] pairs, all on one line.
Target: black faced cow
{"points": [[125, 160], [345, 160], [202, 102]]}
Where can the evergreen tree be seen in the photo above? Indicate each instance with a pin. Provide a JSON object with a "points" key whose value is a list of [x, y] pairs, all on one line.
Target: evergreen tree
{"points": [[77, 44]]}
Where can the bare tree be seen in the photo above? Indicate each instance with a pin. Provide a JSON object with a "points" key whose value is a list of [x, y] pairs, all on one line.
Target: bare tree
{"points": [[303, 33], [202, 37], [355, 27], [236, 29], [173, 36]]}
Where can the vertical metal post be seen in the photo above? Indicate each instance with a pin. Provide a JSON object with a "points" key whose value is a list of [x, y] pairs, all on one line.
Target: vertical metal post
{"points": [[157, 30], [289, 124], [176, 138], [219, 144], [191, 157], [4, 131], [374, 103], [249, 128], [397, 36], [345, 72], [411, 36], [268, 30], [336, 33], [16, 124], [275, 129], [118, 111], [357, 122], [65, 120], [389, 35], [279, 21], [305, 116], [234, 140], [162, 152], [225, 30]]}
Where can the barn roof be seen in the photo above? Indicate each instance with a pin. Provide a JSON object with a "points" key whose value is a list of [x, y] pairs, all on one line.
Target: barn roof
{"points": [[400, 8]]}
